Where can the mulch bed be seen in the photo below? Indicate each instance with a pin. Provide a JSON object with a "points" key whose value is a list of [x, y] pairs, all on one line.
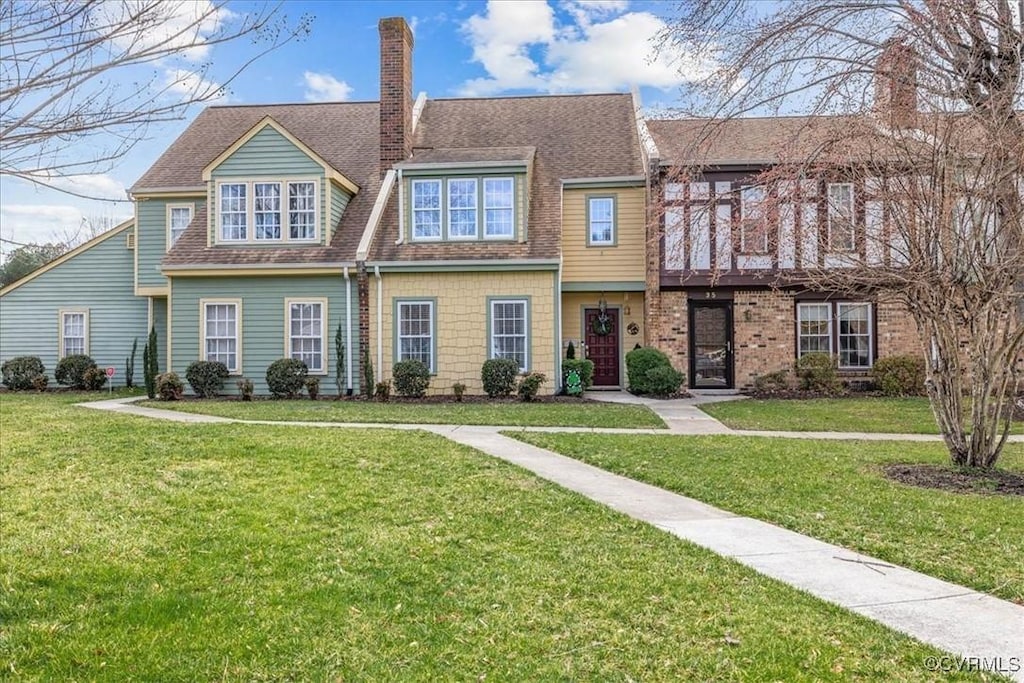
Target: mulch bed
{"points": [[945, 478], [440, 399]]}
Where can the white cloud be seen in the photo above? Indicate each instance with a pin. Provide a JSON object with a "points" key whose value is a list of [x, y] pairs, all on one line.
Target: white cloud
{"points": [[325, 88], [185, 83], [38, 222], [602, 47], [97, 186], [181, 25]]}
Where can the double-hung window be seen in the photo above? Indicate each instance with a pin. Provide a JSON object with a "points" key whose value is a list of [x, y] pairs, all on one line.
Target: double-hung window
{"points": [[415, 332], [221, 333], [73, 333], [426, 209], [509, 331], [267, 210], [462, 219], [600, 221], [306, 334], [843, 327], [234, 212], [753, 225], [841, 235], [178, 218], [302, 210], [499, 215]]}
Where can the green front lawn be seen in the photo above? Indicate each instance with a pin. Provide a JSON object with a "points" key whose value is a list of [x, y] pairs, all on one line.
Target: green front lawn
{"points": [[833, 491], [134, 549], [562, 414], [869, 414]]}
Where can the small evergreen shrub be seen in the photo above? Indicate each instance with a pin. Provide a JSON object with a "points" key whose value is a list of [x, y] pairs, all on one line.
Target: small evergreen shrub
{"points": [[411, 378], [313, 387], [129, 365], [583, 366], [94, 379], [20, 373], [71, 370], [368, 377], [150, 364], [459, 389], [772, 381], [40, 382], [639, 362], [382, 391], [817, 372], [206, 377], [499, 376], [245, 388], [570, 352], [663, 380], [529, 385], [286, 377], [169, 386], [899, 375]]}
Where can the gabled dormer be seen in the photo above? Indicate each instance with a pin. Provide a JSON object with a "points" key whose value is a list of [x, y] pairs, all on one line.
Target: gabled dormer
{"points": [[269, 188]]}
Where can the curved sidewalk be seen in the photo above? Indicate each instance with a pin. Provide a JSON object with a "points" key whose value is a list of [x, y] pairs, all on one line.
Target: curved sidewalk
{"points": [[981, 630]]}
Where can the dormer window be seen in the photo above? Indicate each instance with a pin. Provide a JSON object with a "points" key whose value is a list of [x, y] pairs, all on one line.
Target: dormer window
{"points": [[462, 196], [499, 216], [462, 208], [272, 218], [426, 209]]}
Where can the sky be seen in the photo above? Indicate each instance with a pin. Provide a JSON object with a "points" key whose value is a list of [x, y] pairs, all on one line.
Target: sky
{"points": [[461, 49]]}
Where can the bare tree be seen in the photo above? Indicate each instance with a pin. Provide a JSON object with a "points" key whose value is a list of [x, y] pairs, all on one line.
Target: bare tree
{"points": [[81, 81], [916, 104]]}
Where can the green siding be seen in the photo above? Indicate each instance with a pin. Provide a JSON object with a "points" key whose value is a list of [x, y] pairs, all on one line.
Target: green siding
{"points": [[339, 200], [151, 236], [268, 153], [263, 320], [99, 279]]}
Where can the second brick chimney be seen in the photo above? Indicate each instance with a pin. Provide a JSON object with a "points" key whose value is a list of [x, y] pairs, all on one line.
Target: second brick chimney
{"points": [[395, 91], [896, 84]]}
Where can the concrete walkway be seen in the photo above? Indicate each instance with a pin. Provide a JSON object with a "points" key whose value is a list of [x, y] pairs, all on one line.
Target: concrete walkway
{"points": [[965, 622]]}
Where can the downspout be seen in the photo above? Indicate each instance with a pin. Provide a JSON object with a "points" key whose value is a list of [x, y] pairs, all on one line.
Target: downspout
{"points": [[380, 319], [348, 332]]}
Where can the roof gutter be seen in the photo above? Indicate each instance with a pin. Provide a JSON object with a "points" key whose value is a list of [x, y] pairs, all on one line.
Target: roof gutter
{"points": [[332, 265], [467, 264]]}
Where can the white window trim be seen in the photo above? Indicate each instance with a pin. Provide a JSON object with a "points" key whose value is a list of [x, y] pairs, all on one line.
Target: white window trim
{"points": [[526, 328], [397, 352], [281, 227], [591, 242], [853, 218], [440, 209], [237, 303], [250, 210], [170, 210], [448, 212], [84, 312], [829, 319], [483, 208], [871, 333], [288, 303], [764, 221]]}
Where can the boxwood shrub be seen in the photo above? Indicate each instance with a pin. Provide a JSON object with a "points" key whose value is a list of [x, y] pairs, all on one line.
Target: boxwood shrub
{"points": [[639, 362], [286, 377], [499, 376], [583, 366], [529, 385], [19, 374], [411, 378], [169, 386], [71, 370], [899, 375], [663, 380], [817, 372], [206, 377]]}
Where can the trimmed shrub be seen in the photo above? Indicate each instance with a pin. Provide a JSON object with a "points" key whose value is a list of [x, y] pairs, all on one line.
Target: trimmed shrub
{"points": [[641, 361], [772, 381], [499, 376], [313, 387], [411, 378], [19, 374], [583, 366], [570, 352], [129, 365], [817, 372], [899, 375], [94, 379], [71, 370], [529, 385], [245, 388], [382, 391], [286, 377], [368, 377], [40, 382], [663, 380], [169, 386], [458, 389], [206, 377], [150, 364]]}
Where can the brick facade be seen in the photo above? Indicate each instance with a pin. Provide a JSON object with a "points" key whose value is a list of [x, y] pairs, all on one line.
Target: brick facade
{"points": [[395, 91]]}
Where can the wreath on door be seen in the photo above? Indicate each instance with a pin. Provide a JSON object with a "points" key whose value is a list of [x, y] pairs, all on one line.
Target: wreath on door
{"points": [[602, 322]]}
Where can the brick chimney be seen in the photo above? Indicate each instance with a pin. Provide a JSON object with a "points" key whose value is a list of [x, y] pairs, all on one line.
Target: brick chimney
{"points": [[896, 84], [395, 91]]}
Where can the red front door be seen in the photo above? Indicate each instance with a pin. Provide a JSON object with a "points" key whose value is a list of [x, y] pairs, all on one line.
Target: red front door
{"points": [[603, 349]]}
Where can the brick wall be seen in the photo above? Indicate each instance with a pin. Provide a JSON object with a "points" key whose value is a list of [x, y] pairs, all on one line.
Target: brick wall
{"points": [[764, 333], [395, 91], [896, 331]]}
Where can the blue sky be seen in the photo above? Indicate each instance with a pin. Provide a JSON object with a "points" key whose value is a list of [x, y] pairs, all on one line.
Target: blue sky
{"points": [[462, 49]]}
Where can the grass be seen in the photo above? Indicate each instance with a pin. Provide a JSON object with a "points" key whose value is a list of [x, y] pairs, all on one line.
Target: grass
{"points": [[833, 491], [887, 415], [563, 414], [142, 550]]}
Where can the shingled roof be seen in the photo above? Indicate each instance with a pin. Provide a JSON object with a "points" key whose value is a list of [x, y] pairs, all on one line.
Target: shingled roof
{"points": [[575, 136]]}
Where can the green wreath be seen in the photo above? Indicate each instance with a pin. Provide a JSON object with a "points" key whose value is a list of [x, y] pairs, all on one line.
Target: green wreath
{"points": [[601, 325]]}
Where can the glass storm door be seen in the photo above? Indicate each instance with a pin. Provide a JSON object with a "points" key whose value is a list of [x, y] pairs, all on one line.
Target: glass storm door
{"points": [[711, 345]]}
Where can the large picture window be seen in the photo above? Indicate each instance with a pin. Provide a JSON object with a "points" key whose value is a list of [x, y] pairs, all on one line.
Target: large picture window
{"points": [[415, 332], [426, 209], [221, 333], [509, 330], [74, 330], [499, 215], [306, 334], [842, 328]]}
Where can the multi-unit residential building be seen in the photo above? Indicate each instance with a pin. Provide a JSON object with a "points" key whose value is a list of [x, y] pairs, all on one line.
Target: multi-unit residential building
{"points": [[449, 231]]}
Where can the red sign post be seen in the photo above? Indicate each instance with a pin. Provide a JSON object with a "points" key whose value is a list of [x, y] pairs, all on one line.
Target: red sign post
{"points": [[110, 376]]}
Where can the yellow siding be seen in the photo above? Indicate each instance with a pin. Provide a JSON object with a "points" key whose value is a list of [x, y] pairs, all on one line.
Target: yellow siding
{"points": [[573, 304], [460, 333], [622, 262]]}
